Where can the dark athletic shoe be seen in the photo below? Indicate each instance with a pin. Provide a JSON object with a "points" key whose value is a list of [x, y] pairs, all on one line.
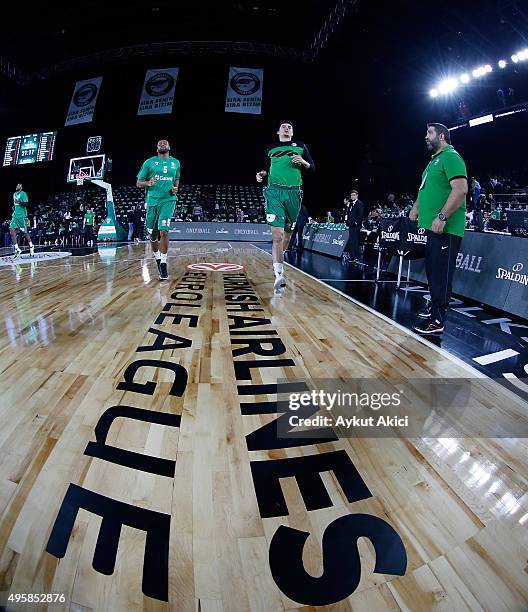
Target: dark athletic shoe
{"points": [[163, 273], [429, 328], [158, 263], [425, 313], [280, 281]]}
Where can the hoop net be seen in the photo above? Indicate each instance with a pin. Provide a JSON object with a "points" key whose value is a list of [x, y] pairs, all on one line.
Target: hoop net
{"points": [[81, 177]]}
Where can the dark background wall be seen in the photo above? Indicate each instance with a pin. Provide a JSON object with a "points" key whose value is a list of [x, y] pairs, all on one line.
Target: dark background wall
{"points": [[213, 146], [364, 123]]}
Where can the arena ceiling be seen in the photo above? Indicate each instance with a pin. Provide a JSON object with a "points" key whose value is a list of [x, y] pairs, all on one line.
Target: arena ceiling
{"points": [[49, 33], [42, 38]]}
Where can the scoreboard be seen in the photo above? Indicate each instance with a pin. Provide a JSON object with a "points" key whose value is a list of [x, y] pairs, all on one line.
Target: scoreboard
{"points": [[30, 148]]}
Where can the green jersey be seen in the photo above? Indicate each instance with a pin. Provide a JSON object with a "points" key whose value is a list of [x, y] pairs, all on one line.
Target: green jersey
{"points": [[281, 170], [495, 214], [434, 191], [89, 218], [20, 198], [164, 171]]}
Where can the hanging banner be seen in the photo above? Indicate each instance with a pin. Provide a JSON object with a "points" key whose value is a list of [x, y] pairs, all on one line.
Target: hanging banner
{"points": [[244, 90], [83, 101], [157, 95]]}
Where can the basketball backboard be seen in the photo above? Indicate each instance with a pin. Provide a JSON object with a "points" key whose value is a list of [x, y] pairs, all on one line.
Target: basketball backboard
{"points": [[89, 167]]}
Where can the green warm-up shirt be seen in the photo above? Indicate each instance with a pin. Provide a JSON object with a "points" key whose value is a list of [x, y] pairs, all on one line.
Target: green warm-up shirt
{"points": [[165, 171], [281, 169], [20, 198], [434, 191]]}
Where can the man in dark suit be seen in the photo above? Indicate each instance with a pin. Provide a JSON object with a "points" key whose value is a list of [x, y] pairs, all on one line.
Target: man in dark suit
{"points": [[354, 215], [296, 241]]}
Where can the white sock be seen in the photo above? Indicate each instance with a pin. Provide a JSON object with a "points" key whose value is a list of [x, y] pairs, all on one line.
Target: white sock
{"points": [[278, 268], [157, 254], [164, 258], [15, 244], [30, 243]]}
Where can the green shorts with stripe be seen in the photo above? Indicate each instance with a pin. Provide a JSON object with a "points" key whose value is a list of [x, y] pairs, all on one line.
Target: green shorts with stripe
{"points": [[18, 220], [282, 205], [159, 215]]}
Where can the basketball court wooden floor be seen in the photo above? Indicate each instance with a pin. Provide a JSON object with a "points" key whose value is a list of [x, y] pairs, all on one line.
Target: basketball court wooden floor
{"points": [[135, 477]]}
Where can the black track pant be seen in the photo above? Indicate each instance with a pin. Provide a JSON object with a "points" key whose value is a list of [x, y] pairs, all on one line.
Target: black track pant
{"points": [[352, 245], [296, 241], [440, 260]]}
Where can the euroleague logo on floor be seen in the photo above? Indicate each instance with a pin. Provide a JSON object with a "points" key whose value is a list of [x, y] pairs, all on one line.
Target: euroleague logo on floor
{"points": [[207, 266], [26, 258]]}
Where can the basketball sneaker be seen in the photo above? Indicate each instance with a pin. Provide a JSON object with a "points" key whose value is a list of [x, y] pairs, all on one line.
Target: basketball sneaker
{"points": [[32, 250], [429, 328], [158, 263], [18, 252], [277, 294], [280, 281], [163, 272], [426, 312]]}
